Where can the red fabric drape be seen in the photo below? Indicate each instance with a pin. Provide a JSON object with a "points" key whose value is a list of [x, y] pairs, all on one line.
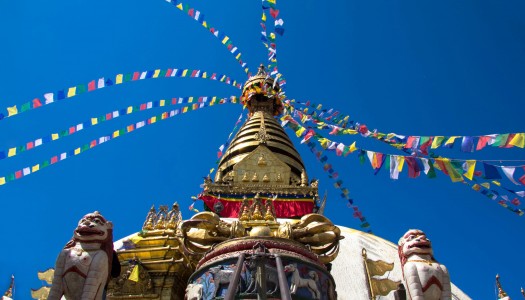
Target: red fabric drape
{"points": [[286, 208]]}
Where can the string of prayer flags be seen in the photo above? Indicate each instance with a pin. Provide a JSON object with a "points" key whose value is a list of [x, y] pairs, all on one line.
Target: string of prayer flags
{"points": [[103, 82], [198, 16], [421, 143], [103, 139], [225, 145], [338, 184], [458, 170], [13, 151]]}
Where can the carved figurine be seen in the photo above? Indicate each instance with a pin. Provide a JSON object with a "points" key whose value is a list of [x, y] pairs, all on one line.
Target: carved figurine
{"points": [[424, 277], [298, 282], [83, 267]]}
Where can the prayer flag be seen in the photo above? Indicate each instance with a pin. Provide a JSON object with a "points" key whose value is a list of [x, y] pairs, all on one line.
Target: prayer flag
{"points": [[11, 111], [509, 172], [134, 276], [11, 152], [469, 167], [36, 103], [118, 80], [518, 140], [72, 91], [2, 180], [467, 144], [491, 172]]}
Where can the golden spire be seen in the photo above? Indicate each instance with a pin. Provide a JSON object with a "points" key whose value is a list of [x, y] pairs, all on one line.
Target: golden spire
{"points": [[501, 292], [9, 292]]}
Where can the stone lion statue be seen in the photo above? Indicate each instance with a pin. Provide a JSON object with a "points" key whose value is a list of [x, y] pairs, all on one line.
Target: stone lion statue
{"points": [[83, 267], [424, 277]]}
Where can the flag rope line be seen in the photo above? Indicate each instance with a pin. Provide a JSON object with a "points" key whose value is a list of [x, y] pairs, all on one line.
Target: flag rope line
{"points": [[198, 16], [97, 84], [420, 144], [13, 151], [96, 142], [450, 167]]}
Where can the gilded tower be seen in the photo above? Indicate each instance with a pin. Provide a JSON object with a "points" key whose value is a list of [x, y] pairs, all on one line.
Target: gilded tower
{"points": [[258, 239]]}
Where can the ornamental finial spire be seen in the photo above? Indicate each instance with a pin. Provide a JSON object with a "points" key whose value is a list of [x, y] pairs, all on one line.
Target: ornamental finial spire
{"points": [[501, 292]]}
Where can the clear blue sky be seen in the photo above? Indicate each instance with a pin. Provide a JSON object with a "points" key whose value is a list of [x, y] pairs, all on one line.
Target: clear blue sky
{"points": [[409, 67]]}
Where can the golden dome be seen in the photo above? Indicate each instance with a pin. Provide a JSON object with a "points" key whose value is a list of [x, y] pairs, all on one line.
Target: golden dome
{"points": [[261, 129]]}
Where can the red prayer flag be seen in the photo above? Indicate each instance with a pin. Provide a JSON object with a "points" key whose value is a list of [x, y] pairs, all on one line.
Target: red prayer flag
{"points": [[91, 85], [36, 103], [482, 142], [29, 145], [54, 159], [168, 73], [18, 174], [72, 129], [93, 143], [136, 76], [522, 179], [143, 106], [274, 12], [109, 116], [191, 12]]}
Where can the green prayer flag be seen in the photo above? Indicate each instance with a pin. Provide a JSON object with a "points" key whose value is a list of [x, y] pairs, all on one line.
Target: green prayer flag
{"points": [[127, 77], [26, 106], [44, 164], [81, 88]]}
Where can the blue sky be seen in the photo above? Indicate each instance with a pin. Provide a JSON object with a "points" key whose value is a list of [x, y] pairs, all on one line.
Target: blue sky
{"points": [[409, 67]]}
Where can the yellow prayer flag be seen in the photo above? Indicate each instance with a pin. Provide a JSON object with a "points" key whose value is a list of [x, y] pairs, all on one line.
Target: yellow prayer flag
{"points": [[238, 56], [204, 75], [272, 36], [116, 133], [184, 72], [72, 91], [11, 152], [134, 276], [271, 1], [352, 147], [77, 151], [349, 131], [400, 163], [471, 165], [451, 140], [486, 185], [156, 73], [300, 131], [179, 6], [263, 17], [518, 140], [94, 121], [136, 239], [190, 99], [2, 180], [452, 172], [437, 142], [130, 109], [54, 136], [496, 182], [184, 109], [162, 102], [35, 168], [153, 119], [204, 24], [11, 111], [118, 80], [225, 39]]}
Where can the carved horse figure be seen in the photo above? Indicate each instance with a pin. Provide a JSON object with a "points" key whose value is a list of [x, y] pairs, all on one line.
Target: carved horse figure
{"points": [[271, 277], [299, 282], [220, 277]]}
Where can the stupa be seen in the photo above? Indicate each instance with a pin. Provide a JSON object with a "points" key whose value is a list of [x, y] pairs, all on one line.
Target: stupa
{"points": [[262, 235]]}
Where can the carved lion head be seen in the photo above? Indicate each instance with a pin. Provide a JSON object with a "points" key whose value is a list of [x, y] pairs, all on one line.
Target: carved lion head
{"points": [[92, 227], [414, 241]]}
